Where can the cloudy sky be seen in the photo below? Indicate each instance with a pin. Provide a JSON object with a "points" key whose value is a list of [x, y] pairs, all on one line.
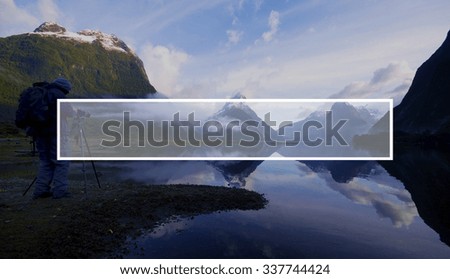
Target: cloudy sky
{"points": [[261, 48]]}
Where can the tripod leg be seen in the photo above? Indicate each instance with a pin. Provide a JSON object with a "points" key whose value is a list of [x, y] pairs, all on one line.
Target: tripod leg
{"points": [[83, 170], [29, 186], [96, 176], [92, 162], [83, 167]]}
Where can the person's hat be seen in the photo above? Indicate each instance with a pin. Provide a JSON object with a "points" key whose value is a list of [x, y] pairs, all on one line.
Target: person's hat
{"points": [[63, 83]]}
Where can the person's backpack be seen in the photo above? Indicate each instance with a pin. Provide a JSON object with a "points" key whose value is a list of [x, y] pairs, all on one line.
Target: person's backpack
{"points": [[33, 110]]}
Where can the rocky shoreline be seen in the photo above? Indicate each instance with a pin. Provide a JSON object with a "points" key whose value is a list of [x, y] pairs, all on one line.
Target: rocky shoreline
{"points": [[102, 222]]}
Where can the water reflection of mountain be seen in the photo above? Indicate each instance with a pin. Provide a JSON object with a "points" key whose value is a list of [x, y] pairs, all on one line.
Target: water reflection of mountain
{"points": [[343, 171], [367, 183], [163, 172], [235, 172], [426, 174]]}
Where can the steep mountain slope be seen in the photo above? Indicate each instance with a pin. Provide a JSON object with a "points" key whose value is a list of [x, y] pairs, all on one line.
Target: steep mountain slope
{"points": [[425, 174], [243, 112], [425, 107], [95, 63]]}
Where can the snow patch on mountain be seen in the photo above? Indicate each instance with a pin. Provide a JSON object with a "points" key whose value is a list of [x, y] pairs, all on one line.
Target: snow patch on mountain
{"points": [[107, 41], [236, 110]]}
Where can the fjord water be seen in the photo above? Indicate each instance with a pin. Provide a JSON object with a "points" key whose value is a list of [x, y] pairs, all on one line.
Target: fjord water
{"points": [[316, 209]]}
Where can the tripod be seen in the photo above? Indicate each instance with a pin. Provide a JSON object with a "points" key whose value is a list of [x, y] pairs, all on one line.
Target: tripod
{"points": [[82, 141]]}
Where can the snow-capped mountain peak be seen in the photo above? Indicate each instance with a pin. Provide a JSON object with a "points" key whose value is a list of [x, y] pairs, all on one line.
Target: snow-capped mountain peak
{"points": [[51, 27], [239, 110], [238, 95], [108, 41]]}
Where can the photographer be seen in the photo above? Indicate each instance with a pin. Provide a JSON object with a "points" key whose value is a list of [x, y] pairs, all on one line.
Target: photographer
{"points": [[51, 169], [76, 125]]}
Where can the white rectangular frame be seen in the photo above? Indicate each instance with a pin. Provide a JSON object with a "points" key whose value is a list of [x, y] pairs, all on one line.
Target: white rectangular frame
{"points": [[391, 129]]}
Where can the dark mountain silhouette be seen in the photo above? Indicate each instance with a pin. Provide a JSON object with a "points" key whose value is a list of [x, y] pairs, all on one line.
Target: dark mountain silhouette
{"points": [[236, 172], [342, 171], [423, 118], [425, 108], [425, 174]]}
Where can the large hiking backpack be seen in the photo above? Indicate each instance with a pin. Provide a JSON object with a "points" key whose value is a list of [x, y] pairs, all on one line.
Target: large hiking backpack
{"points": [[33, 110]]}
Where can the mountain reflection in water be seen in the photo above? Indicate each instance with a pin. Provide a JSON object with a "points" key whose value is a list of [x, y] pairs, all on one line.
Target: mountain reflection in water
{"points": [[317, 209], [425, 173], [368, 183]]}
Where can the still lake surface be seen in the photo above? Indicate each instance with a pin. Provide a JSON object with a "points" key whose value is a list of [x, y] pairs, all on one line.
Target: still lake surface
{"points": [[315, 210]]}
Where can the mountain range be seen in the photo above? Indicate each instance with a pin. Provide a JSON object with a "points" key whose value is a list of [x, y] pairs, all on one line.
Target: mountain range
{"points": [[358, 121], [235, 119], [102, 65]]}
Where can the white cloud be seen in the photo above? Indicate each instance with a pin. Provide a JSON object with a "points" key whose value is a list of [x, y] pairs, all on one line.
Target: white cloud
{"points": [[235, 20], [392, 72], [384, 198], [14, 19], [238, 8], [258, 4], [392, 81], [274, 22], [234, 36], [319, 62], [298, 63], [241, 4], [249, 80], [162, 65], [49, 10], [304, 66]]}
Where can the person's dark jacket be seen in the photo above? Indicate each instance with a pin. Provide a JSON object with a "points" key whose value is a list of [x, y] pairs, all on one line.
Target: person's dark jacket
{"points": [[54, 93]]}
